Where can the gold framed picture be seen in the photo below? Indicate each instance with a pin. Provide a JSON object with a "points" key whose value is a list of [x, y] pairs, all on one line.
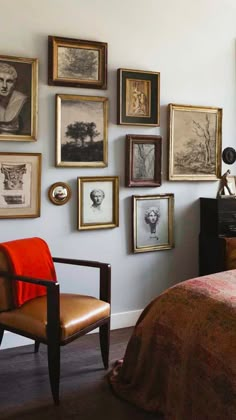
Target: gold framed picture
{"points": [[20, 185], [77, 63], [18, 98], [195, 136], [98, 202], [138, 97], [153, 222], [59, 193], [81, 131]]}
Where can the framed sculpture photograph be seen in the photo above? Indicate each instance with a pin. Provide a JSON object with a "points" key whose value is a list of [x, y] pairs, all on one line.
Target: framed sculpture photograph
{"points": [[143, 161], [18, 98], [59, 193], [77, 63], [20, 185], [153, 222], [81, 131], [98, 202], [138, 97], [195, 135]]}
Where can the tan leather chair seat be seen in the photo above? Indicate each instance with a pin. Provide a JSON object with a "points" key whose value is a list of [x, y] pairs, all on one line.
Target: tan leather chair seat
{"points": [[76, 313]]}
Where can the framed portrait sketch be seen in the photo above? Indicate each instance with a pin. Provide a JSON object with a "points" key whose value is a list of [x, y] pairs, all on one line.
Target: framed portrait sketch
{"points": [[18, 98], [98, 202], [153, 222], [143, 160], [77, 63], [195, 134], [81, 131], [20, 185], [138, 97]]}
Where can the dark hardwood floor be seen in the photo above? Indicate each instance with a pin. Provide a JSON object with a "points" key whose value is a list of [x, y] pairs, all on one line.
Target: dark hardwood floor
{"points": [[85, 393]]}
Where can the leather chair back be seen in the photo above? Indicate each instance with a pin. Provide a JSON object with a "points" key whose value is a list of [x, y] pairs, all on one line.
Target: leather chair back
{"points": [[6, 295]]}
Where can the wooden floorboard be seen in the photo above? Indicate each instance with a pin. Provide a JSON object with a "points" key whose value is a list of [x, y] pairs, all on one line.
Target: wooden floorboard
{"points": [[84, 391]]}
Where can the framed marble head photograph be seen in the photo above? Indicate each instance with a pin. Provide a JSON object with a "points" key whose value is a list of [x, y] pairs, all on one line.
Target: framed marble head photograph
{"points": [[18, 98], [153, 222]]}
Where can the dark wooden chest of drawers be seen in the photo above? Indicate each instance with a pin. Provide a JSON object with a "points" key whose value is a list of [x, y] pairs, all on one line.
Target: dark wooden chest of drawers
{"points": [[218, 216]]}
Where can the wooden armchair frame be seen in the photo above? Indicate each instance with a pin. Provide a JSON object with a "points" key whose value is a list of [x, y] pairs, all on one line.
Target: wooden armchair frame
{"points": [[53, 340]]}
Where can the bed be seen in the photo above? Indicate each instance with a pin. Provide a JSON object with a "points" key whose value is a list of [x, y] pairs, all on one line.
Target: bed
{"points": [[181, 358]]}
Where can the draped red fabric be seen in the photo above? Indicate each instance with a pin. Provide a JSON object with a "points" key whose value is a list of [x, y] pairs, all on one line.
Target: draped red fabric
{"points": [[29, 257]]}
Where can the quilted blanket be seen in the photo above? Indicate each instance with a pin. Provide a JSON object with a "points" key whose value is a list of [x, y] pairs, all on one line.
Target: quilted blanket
{"points": [[181, 358]]}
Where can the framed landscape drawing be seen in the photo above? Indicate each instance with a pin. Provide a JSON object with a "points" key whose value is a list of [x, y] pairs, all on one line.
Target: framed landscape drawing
{"points": [[81, 131], [195, 134], [77, 63], [20, 185], [18, 98], [98, 202], [138, 97], [143, 158], [153, 222]]}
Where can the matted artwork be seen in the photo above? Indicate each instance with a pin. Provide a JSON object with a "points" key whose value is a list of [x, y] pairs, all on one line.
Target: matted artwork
{"points": [[81, 130], [76, 62], [143, 161], [20, 185], [98, 202], [195, 134], [153, 222], [138, 97], [18, 98]]}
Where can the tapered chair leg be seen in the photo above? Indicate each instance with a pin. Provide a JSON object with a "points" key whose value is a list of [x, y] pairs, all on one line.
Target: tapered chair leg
{"points": [[104, 336], [1, 334], [54, 369], [36, 346]]}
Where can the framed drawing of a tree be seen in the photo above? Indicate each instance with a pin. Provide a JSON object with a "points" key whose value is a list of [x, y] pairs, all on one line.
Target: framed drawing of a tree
{"points": [[195, 134]]}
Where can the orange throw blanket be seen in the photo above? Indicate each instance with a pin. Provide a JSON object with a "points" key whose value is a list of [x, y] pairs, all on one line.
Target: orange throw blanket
{"points": [[29, 257]]}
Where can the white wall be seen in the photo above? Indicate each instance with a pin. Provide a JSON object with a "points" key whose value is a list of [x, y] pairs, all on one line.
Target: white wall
{"points": [[192, 44]]}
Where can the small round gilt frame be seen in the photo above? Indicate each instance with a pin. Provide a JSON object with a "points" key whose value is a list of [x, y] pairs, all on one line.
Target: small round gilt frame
{"points": [[59, 193]]}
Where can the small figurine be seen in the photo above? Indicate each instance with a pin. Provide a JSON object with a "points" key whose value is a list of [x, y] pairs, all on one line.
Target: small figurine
{"points": [[224, 185]]}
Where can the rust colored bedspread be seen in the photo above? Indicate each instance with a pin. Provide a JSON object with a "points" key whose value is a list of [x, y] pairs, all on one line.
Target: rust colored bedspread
{"points": [[181, 358]]}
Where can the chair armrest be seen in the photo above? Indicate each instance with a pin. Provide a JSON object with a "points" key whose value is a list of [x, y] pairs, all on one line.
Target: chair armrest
{"points": [[105, 274], [26, 279]]}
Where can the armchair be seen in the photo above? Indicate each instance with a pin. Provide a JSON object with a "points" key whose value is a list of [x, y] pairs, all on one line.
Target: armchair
{"points": [[55, 318]]}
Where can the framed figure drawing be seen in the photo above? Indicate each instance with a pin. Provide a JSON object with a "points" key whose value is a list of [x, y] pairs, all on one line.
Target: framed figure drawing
{"points": [[18, 98], [138, 97], [153, 222], [20, 185], [81, 131], [77, 63], [195, 134], [143, 160], [98, 202]]}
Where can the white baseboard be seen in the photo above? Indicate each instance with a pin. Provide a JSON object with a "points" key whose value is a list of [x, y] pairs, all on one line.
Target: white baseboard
{"points": [[119, 320]]}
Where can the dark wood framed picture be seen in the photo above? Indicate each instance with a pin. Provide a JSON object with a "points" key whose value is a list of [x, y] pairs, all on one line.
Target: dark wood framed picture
{"points": [[81, 131], [98, 202], [59, 193], [138, 97], [77, 63], [143, 161], [18, 98], [153, 222], [195, 137], [20, 185]]}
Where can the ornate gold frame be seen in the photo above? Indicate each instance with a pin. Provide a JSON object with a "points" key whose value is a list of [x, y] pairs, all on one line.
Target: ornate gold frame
{"points": [[194, 131], [77, 98], [33, 62], [152, 244], [29, 192], [59, 200], [97, 183]]}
